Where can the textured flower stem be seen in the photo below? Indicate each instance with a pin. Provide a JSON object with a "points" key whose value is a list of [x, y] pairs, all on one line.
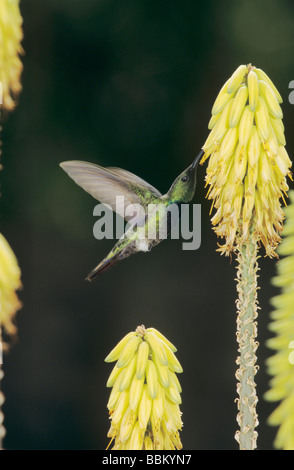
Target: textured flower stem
{"points": [[247, 307]]}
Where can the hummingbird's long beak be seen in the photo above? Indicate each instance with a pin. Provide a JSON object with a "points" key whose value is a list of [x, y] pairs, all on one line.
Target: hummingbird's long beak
{"points": [[197, 159]]}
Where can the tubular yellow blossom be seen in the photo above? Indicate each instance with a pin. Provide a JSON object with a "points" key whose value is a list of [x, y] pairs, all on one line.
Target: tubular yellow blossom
{"points": [[10, 49], [146, 394], [281, 364], [247, 143], [9, 283]]}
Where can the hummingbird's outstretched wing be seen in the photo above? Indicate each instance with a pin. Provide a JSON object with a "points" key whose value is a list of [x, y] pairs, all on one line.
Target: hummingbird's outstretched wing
{"points": [[105, 184]]}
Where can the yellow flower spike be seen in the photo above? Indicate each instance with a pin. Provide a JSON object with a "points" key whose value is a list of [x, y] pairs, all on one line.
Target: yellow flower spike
{"points": [[258, 135], [246, 178], [281, 364], [145, 388], [10, 50]]}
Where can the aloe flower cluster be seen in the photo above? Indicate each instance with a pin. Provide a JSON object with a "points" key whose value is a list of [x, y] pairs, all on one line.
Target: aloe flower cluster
{"points": [[248, 162], [146, 394]]}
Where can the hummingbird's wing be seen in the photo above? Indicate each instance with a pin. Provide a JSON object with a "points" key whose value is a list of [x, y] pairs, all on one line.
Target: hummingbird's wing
{"points": [[135, 180], [105, 184]]}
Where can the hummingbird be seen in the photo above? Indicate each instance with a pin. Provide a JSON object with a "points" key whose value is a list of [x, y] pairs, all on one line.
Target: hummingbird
{"points": [[106, 183]]}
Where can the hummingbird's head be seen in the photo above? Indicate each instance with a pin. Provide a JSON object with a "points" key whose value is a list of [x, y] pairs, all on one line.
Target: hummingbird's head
{"points": [[183, 188]]}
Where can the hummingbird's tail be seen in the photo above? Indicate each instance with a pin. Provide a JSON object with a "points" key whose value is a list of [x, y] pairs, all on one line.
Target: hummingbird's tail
{"points": [[102, 268]]}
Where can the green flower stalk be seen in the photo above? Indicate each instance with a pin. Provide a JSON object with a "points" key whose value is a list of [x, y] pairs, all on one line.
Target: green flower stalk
{"points": [[281, 364], [146, 394], [247, 170], [247, 311]]}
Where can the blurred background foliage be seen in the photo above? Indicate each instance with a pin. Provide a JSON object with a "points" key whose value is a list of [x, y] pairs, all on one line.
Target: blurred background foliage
{"points": [[130, 84]]}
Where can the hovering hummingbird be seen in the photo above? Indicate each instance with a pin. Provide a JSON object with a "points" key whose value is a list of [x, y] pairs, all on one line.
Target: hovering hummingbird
{"points": [[105, 184]]}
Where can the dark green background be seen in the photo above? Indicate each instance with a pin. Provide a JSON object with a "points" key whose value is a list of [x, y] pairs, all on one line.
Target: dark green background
{"points": [[131, 84]]}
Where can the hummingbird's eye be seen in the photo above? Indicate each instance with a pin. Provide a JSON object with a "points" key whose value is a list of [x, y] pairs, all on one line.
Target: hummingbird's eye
{"points": [[184, 179]]}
